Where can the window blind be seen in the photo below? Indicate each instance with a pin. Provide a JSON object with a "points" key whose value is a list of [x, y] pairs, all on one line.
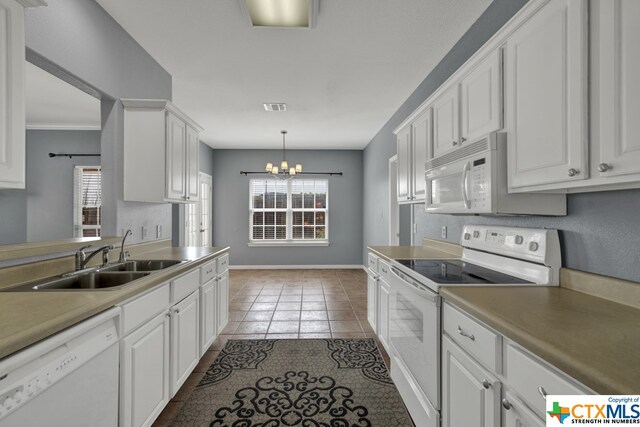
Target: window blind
{"points": [[87, 204]]}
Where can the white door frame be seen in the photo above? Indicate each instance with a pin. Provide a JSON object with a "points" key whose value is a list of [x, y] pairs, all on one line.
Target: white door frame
{"points": [[394, 207], [198, 206]]}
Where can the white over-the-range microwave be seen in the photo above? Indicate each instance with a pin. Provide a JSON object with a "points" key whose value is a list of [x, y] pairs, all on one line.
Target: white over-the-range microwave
{"points": [[473, 180]]}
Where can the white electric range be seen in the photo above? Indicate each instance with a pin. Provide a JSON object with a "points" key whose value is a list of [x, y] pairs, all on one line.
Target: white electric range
{"points": [[492, 256]]}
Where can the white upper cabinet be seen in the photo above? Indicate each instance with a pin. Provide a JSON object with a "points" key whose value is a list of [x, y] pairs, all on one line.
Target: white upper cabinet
{"points": [[546, 96], [12, 104], [403, 139], [446, 121], [619, 68], [421, 142], [166, 140], [481, 103]]}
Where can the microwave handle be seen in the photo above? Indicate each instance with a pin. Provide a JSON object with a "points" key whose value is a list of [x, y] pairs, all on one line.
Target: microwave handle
{"points": [[465, 186]]}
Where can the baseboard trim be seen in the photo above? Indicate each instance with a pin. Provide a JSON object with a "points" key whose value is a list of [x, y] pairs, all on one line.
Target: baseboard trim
{"points": [[298, 267]]}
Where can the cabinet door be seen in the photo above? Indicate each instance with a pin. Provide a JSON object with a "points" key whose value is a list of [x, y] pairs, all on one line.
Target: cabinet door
{"points": [[546, 96], [404, 164], [421, 141], [470, 394], [518, 415], [372, 300], [12, 115], [481, 108], [144, 373], [193, 165], [176, 158], [185, 340], [446, 122], [383, 313], [619, 65], [223, 300], [208, 315]]}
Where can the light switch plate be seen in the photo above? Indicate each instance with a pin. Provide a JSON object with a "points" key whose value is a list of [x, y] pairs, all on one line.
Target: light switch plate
{"points": [[444, 231], [158, 231]]}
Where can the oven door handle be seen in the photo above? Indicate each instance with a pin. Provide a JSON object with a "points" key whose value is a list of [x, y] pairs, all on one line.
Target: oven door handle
{"points": [[431, 296], [465, 185]]}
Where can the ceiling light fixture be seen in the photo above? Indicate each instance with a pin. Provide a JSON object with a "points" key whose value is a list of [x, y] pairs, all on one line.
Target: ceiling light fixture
{"points": [[281, 13], [284, 171]]}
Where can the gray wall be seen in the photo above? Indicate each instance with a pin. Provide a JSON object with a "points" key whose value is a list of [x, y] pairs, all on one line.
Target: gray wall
{"points": [[383, 145], [600, 233], [79, 42], [231, 207], [44, 210]]}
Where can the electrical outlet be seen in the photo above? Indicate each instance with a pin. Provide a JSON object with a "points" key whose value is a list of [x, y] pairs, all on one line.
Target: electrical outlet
{"points": [[144, 233], [158, 231], [415, 228], [444, 231]]}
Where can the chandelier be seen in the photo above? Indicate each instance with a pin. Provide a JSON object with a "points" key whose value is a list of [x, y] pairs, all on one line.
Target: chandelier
{"points": [[284, 171]]}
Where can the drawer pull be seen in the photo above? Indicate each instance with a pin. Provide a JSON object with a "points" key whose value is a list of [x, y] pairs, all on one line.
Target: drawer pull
{"points": [[542, 392], [384, 271], [506, 404], [464, 334], [486, 384], [209, 271]]}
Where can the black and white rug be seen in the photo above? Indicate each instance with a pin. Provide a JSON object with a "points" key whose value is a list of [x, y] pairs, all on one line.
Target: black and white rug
{"points": [[307, 383]]}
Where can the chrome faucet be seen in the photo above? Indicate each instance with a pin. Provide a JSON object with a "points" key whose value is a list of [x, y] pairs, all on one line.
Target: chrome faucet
{"points": [[82, 258], [123, 255]]}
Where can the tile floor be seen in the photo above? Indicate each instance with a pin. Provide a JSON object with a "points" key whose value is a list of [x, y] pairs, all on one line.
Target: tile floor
{"points": [[276, 304]]}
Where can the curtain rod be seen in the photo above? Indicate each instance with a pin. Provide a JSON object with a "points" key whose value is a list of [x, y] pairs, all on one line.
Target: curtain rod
{"points": [[71, 155], [299, 173]]}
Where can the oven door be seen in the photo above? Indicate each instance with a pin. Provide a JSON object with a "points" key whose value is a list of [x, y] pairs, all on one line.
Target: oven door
{"points": [[414, 329], [448, 188]]}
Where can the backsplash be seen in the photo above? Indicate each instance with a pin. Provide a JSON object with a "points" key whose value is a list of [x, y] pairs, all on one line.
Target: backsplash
{"points": [[600, 234]]}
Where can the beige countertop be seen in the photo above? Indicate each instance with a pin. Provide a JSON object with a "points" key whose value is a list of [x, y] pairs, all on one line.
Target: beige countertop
{"points": [[430, 249], [594, 340], [28, 317]]}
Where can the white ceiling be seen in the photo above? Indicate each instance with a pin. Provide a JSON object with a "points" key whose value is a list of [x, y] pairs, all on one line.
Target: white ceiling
{"points": [[341, 81], [54, 104]]}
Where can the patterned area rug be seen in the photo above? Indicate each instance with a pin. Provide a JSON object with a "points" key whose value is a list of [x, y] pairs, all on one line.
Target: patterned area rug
{"points": [[307, 383]]}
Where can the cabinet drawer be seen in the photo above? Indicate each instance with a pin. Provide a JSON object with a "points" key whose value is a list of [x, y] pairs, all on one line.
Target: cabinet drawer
{"points": [[208, 271], [145, 307], [372, 263], [483, 344], [531, 379], [223, 263], [184, 285], [385, 270]]}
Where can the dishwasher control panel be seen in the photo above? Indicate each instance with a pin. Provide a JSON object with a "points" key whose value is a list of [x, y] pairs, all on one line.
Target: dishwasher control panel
{"points": [[39, 372]]}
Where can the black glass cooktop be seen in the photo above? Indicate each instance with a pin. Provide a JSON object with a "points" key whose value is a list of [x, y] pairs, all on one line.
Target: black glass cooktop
{"points": [[458, 272]]}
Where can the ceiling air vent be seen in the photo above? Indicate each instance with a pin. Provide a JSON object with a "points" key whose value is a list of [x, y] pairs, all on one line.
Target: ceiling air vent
{"points": [[275, 106]]}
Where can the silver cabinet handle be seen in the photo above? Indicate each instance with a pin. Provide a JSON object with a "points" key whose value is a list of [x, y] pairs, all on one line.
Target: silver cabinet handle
{"points": [[464, 334], [573, 172], [454, 143], [506, 404], [486, 384], [384, 271], [542, 392], [209, 271], [463, 139], [604, 167], [176, 311]]}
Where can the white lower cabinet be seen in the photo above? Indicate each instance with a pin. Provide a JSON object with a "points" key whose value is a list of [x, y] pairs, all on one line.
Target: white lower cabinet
{"points": [[144, 373], [516, 414], [383, 313], [208, 314], [185, 339], [223, 300], [470, 394], [372, 300]]}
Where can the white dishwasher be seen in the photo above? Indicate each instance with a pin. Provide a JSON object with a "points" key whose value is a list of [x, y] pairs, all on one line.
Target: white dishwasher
{"points": [[69, 379]]}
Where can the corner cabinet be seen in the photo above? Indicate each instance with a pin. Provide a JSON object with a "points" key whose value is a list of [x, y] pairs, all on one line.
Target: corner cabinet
{"points": [[546, 96], [12, 101], [161, 153]]}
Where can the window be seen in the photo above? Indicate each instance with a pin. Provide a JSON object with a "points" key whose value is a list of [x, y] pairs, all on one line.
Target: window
{"points": [[87, 210], [293, 211]]}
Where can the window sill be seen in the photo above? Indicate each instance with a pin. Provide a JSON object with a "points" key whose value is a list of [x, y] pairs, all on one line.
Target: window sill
{"points": [[288, 243]]}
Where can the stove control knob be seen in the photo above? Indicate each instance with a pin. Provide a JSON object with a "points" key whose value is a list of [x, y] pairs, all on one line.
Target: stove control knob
{"points": [[467, 236], [519, 240], [533, 246], [476, 234]]}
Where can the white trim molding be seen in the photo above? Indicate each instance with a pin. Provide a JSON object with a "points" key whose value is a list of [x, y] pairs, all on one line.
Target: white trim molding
{"points": [[53, 126], [289, 243], [298, 267], [32, 3]]}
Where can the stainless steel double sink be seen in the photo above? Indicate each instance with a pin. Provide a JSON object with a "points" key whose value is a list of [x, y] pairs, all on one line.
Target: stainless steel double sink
{"points": [[102, 278]]}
